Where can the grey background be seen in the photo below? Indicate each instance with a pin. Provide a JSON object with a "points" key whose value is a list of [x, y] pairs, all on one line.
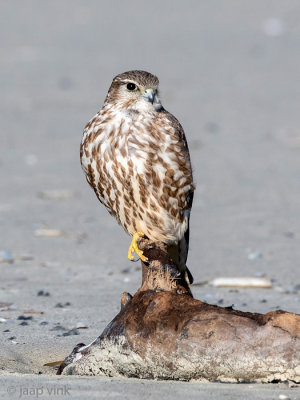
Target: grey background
{"points": [[229, 71]]}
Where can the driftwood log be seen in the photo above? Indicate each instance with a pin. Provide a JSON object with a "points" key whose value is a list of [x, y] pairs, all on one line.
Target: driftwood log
{"points": [[163, 333]]}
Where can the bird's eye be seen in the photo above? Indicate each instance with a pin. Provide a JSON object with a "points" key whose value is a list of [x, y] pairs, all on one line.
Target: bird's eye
{"points": [[131, 87]]}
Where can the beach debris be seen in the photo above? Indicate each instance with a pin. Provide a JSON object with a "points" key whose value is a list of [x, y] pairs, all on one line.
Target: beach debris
{"points": [[62, 305], [33, 312], [284, 397], [53, 363], [55, 194], [198, 334], [2, 320], [6, 257], [48, 232], [12, 339], [288, 290], [50, 264], [43, 293], [24, 318], [242, 282], [71, 332], [255, 255], [24, 257], [201, 283], [81, 325], [5, 306], [52, 232], [58, 328]]}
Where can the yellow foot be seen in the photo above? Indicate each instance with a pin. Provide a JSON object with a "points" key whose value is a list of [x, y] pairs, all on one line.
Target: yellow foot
{"points": [[134, 247]]}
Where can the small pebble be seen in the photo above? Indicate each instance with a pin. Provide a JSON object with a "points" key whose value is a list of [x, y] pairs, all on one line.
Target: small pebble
{"points": [[12, 338], [43, 293], [263, 301], [58, 328], [71, 332], [6, 307], [81, 325], [6, 257], [284, 397], [126, 279], [44, 323], [221, 301], [255, 255], [61, 305], [6, 330], [24, 318], [24, 323]]}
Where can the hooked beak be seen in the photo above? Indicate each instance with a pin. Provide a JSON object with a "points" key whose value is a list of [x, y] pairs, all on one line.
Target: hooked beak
{"points": [[149, 95]]}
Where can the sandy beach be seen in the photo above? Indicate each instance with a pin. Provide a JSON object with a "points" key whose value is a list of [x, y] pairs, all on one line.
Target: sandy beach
{"points": [[230, 73]]}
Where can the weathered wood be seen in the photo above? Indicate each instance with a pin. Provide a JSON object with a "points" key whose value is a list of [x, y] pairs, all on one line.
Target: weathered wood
{"points": [[162, 332]]}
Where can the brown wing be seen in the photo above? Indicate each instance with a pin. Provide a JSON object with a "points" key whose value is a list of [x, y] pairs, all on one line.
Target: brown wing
{"points": [[179, 252]]}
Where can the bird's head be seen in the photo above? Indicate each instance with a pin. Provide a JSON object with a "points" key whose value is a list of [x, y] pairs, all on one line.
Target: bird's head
{"points": [[136, 91]]}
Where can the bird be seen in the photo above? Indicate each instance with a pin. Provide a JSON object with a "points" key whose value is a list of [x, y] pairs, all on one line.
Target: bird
{"points": [[136, 158]]}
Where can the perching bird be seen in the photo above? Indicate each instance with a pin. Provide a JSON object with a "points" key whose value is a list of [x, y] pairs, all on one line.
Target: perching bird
{"points": [[135, 156]]}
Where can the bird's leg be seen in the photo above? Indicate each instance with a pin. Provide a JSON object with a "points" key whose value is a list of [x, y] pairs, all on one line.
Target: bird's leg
{"points": [[134, 247]]}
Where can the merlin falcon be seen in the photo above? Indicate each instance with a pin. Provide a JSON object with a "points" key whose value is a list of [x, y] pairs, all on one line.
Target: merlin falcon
{"points": [[135, 156]]}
